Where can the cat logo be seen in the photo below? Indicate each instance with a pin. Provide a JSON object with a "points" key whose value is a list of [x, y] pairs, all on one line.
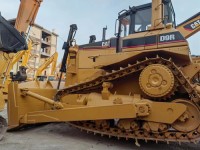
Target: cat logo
{"points": [[192, 26], [195, 24], [165, 38]]}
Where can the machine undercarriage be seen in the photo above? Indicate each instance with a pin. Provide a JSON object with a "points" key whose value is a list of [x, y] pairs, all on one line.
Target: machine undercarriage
{"points": [[154, 72], [172, 118]]}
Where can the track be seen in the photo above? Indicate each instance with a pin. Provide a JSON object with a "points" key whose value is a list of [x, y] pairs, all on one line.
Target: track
{"points": [[171, 135], [168, 136]]}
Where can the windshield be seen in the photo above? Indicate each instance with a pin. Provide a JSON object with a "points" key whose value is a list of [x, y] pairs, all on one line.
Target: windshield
{"points": [[142, 20], [138, 19]]}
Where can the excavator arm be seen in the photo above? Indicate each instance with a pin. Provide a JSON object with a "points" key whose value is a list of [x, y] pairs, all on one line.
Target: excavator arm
{"points": [[26, 16], [22, 54], [51, 60], [21, 74], [190, 26], [27, 13], [27, 54]]}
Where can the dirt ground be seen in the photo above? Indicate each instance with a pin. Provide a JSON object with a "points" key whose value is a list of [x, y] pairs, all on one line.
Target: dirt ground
{"points": [[60, 136]]}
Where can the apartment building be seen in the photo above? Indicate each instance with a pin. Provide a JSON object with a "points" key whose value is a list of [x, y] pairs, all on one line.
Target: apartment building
{"points": [[44, 45]]}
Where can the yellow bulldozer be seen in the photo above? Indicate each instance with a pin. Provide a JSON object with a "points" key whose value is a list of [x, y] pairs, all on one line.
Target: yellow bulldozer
{"points": [[141, 84]]}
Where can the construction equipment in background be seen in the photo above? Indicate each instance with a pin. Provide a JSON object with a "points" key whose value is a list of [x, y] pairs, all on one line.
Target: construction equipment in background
{"points": [[25, 19], [140, 84], [12, 42], [8, 33], [21, 75], [190, 26], [26, 16], [51, 60]]}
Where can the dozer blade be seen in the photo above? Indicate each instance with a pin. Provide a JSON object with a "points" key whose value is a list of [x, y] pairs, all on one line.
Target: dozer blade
{"points": [[3, 127], [11, 41]]}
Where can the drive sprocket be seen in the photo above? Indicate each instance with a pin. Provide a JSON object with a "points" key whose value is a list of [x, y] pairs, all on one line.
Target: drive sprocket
{"points": [[157, 81]]}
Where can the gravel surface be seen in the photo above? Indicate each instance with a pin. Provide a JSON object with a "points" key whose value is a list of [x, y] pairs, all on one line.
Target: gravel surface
{"points": [[60, 136]]}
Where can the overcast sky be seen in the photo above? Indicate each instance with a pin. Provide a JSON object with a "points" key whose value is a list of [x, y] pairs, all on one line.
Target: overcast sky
{"points": [[92, 15]]}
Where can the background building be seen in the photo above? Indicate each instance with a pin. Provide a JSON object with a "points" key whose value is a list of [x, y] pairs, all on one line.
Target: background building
{"points": [[44, 45]]}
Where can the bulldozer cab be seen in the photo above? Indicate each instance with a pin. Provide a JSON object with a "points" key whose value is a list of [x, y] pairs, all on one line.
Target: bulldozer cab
{"points": [[138, 19]]}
